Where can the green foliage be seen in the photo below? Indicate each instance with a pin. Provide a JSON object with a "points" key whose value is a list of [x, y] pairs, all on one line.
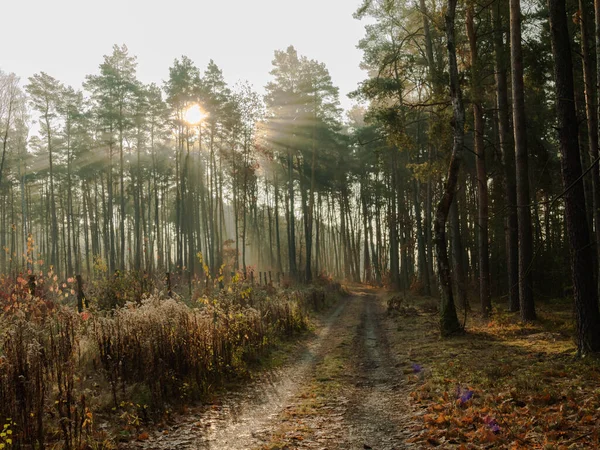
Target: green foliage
{"points": [[303, 113]]}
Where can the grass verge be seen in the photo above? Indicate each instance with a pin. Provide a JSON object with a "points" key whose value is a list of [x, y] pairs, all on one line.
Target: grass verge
{"points": [[502, 384]]}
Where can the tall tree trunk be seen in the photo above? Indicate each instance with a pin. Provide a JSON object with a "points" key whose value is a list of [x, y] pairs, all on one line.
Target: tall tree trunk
{"points": [[5, 137], [527, 305], [269, 226], [457, 255], [122, 185], [366, 257], [345, 251], [427, 223], [311, 200], [86, 239], [277, 236], [393, 224], [291, 218], [110, 252], [318, 222], [421, 249], [508, 160], [592, 112], [482, 188], [585, 290], [448, 319]]}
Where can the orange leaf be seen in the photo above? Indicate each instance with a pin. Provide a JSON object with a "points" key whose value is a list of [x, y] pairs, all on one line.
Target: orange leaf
{"points": [[489, 437]]}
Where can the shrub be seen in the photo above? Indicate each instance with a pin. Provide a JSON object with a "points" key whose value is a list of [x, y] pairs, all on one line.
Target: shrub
{"points": [[179, 351], [38, 363]]}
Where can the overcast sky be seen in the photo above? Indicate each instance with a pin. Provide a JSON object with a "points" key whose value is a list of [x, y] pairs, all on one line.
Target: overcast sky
{"points": [[67, 38]]}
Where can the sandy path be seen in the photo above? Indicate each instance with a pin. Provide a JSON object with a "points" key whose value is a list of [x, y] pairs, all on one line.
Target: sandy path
{"points": [[353, 387]]}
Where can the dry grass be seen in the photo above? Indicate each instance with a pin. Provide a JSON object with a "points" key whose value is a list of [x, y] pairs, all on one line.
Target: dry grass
{"points": [[61, 371]]}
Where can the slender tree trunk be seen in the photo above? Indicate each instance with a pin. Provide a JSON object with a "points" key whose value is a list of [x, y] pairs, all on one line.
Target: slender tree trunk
{"points": [[291, 218], [457, 255], [421, 249], [393, 224], [345, 251], [527, 305], [269, 226], [311, 201], [5, 137], [427, 223], [25, 226], [592, 113], [122, 185], [110, 251], [365, 215], [277, 236], [482, 188], [318, 235], [86, 227], [448, 319], [508, 160]]}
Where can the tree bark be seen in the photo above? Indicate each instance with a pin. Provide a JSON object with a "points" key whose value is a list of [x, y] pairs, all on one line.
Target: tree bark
{"points": [[527, 305], [421, 249], [448, 319], [457, 255], [585, 290], [482, 188], [291, 218], [592, 113], [508, 160]]}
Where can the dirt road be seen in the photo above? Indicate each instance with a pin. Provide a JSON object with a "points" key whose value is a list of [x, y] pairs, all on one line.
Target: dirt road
{"points": [[343, 390]]}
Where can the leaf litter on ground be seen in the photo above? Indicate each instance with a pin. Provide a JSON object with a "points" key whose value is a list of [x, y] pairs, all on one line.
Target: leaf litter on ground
{"points": [[500, 385]]}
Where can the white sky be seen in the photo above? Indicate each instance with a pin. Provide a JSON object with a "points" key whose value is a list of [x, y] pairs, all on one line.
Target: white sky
{"points": [[68, 38]]}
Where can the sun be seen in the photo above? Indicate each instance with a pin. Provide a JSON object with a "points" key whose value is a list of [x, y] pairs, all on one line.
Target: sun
{"points": [[193, 115]]}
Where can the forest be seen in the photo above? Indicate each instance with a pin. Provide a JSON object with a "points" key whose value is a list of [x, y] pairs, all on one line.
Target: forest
{"points": [[435, 245]]}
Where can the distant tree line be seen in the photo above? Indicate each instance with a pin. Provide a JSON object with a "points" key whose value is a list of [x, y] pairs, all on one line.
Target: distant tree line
{"points": [[117, 178]]}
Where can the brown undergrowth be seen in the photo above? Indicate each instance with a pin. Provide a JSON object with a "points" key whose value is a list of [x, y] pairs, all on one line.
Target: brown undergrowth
{"points": [[72, 380], [500, 385]]}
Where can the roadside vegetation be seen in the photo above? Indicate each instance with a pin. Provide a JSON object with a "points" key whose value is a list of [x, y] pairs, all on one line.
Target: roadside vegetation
{"points": [[132, 356]]}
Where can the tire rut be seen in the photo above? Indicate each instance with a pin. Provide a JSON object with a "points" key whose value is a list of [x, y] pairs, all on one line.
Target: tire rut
{"points": [[361, 406], [374, 419]]}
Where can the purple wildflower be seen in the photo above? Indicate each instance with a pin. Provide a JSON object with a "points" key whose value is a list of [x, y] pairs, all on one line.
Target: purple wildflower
{"points": [[492, 424], [464, 394], [417, 368]]}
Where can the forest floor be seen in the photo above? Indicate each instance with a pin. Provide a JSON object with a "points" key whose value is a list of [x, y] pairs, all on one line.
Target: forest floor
{"points": [[502, 384], [375, 374]]}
